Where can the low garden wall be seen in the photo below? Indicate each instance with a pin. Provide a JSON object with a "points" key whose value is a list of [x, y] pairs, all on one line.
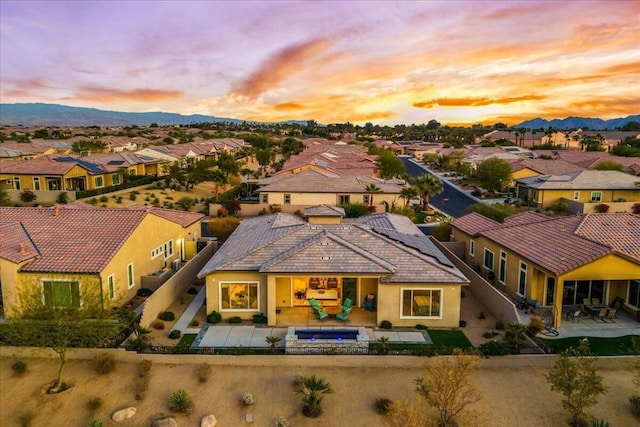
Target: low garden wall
{"points": [[43, 197]]}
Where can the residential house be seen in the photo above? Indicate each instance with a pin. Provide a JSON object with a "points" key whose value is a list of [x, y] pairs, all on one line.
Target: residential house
{"points": [[526, 168], [558, 261], [78, 254], [591, 159], [57, 173], [281, 261], [587, 186], [130, 163]]}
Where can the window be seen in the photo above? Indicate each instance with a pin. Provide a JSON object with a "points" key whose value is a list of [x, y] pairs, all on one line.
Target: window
{"points": [[167, 248], [111, 287], [287, 199], [36, 183], [488, 259], [575, 291], [472, 247], [239, 296], [551, 290], [16, 182], [98, 182], [61, 294], [596, 196], [634, 293], [502, 273], [115, 179], [576, 195], [365, 199], [421, 303], [522, 280], [343, 199], [130, 282], [264, 198]]}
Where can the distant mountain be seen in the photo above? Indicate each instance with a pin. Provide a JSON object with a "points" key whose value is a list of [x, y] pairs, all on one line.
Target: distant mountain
{"points": [[579, 122], [62, 115]]}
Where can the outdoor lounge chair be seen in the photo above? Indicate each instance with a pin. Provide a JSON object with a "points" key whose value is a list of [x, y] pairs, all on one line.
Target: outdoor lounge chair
{"points": [[602, 315], [315, 304], [344, 315], [576, 315], [321, 314], [611, 314], [347, 304]]}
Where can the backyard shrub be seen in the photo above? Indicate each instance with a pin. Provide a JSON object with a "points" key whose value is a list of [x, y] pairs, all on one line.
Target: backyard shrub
{"points": [[144, 292], [103, 199], [167, 316], [599, 423], [119, 199], [259, 319], [421, 327], [500, 324], [602, 208], [158, 325], [179, 401], [635, 208], [477, 192], [62, 198], [104, 363], [94, 403], [635, 405], [132, 196], [495, 348], [280, 422], [235, 319], [202, 372], [383, 405], [192, 291], [247, 399], [27, 196], [175, 334], [194, 323], [385, 324], [92, 201], [95, 423], [535, 325], [19, 367], [214, 317]]}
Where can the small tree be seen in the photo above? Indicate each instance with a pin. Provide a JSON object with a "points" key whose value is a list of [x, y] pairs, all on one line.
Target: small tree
{"points": [[447, 387], [442, 231], [313, 389], [223, 227], [494, 173], [273, 341], [427, 185], [405, 414], [4, 198], [609, 165], [575, 376], [27, 196]]}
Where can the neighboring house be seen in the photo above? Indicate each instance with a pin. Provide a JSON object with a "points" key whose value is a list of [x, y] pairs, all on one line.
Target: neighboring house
{"points": [[78, 254], [591, 159], [11, 154], [62, 173], [558, 261], [130, 163], [587, 186], [281, 261], [310, 187], [526, 168]]}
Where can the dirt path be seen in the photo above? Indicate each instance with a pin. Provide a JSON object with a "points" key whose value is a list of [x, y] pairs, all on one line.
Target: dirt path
{"points": [[511, 396]]}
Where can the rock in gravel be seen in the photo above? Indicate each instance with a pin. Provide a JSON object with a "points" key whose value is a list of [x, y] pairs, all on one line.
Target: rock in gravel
{"points": [[123, 414], [165, 422], [209, 421]]}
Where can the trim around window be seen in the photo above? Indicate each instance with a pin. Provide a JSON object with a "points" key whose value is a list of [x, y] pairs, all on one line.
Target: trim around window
{"points": [[239, 296], [472, 247], [488, 261], [131, 282], [421, 303], [111, 287]]}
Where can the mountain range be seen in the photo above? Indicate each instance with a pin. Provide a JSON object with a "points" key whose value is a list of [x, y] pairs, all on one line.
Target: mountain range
{"points": [[61, 115]]}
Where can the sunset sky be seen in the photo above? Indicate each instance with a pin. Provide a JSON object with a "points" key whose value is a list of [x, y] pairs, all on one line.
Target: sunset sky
{"points": [[459, 62]]}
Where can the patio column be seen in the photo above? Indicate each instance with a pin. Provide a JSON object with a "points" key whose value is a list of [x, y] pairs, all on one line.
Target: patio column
{"points": [[271, 301]]}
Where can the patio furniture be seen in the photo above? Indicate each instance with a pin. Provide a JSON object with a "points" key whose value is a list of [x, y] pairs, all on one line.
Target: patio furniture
{"points": [[594, 310], [586, 301], [315, 304], [595, 301], [321, 314], [347, 303], [369, 302], [611, 314], [344, 315], [533, 305], [576, 315], [602, 314]]}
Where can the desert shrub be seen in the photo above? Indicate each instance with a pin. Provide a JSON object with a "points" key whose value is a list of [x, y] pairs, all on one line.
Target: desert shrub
{"points": [[599, 422], [194, 323], [602, 208], [495, 348], [477, 192], [499, 324], [259, 319], [119, 199], [132, 196], [559, 206], [222, 227], [280, 422], [214, 317], [383, 405], [354, 210], [202, 372], [158, 325], [385, 324], [179, 401], [92, 201], [262, 212], [192, 291], [95, 423], [167, 316], [175, 334], [421, 327], [104, 363], [62, 198], [27, 196], [94, 403], [535, 325], [635, 208], [248, 399], [103, 199], [235, 319], [144, 292], [635, 405], [19, 367]]}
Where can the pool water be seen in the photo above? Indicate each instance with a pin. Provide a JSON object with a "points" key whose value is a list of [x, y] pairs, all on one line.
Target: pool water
{"points": [[334, 334]]}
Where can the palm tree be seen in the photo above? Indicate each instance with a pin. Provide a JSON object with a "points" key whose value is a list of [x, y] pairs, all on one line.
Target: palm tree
{"points": [[408, 193], [273, 341], [427, 185], [313, 389], [372, 189]]}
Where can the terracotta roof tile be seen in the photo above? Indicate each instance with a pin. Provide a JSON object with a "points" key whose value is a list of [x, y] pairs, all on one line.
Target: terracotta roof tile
{"points": [[474, 223], [620, 231], [17, 245], [183, 218]]}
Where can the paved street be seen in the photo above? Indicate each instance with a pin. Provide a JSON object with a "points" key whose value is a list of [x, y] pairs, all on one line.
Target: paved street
{"points": [[451, 201]]}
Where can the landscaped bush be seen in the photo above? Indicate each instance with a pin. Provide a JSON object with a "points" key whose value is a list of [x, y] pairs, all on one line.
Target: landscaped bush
{"points": [[19, 367], [280, 422], [477, 192], [179, 401], [495, 348], [214, 317], [27, 196], [94, 403], [175, 334], [202, 372], [635, 208], [383, 405], [144, 292], [62, 198], [104, 199], [421, 327], [259, 319], [167, 316], [194, 323], [132, 196], [235, 319], [385, 324], [158, 325], [500, 324], [535, 325], [247, 399], [602, 208], [95, 423], [92, 201], [192, 291], [104, 363]]}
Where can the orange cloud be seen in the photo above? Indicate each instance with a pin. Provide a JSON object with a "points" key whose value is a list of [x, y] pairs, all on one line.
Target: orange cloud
{"points": [[288, 106], [281, 65], [475, 102], [118, 95]]}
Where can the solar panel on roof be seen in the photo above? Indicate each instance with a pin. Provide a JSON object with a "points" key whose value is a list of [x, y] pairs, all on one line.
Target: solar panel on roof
{"points": [[89, 166], [421, 244], [115, 162]]}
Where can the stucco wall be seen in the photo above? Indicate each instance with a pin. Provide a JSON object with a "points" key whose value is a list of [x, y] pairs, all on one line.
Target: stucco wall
{"points": [[253, 209], [172, 288], [213, 293], [578, 207], [43, 197], [310, 199]]}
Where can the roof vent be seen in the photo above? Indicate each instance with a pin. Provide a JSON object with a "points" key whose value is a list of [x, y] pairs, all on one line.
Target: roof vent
{"points": [[326, 258], [23, 249]]}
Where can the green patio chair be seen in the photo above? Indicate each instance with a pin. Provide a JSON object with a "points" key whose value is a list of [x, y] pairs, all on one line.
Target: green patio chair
{"points": [[315, 304], [321, 314], [347, 304], [344, 315]]}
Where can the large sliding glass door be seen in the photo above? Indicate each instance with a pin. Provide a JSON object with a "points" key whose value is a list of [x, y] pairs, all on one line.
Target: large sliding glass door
{"points": [[575, 291]]}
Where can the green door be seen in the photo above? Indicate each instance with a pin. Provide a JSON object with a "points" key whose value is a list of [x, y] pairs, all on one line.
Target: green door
{"points": [[350, 289]]}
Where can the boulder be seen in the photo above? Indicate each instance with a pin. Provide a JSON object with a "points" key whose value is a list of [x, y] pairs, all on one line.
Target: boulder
{"points": [[209, 421], [165, 422], [123, 414]]}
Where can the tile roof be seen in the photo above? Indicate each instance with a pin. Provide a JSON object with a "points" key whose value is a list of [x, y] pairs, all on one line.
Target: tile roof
{"points": [[547, 167], [621, 231], [182, 218], [474, 223], [311, 181], [37, 166], [525, 218], [324, 210], [583, 180], [257, 245], [17, 245]]}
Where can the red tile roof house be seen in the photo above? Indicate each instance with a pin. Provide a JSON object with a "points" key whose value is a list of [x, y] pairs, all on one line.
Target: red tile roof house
{"points": [[558, 261], [78, 254]]}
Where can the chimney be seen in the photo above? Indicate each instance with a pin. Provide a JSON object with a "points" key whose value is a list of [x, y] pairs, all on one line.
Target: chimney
{"points": [[56, 210], [23, 249]]}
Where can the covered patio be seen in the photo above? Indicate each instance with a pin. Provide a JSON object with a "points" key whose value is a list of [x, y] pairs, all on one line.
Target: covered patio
{"points": [[305, 316]]}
